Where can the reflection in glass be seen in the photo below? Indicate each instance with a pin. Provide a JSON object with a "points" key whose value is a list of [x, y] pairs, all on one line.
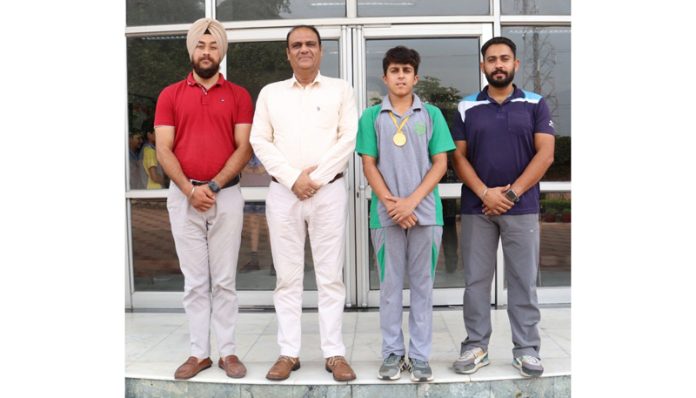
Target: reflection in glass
{"points": [[554, 264], [137, 177], [254, 174], [156, 178], [161, 12], [448, 271], [544, 54], [555, 227], [246, 10], [399, 8], [153, 63], [156, 265], [535, 7], [449, 70]]}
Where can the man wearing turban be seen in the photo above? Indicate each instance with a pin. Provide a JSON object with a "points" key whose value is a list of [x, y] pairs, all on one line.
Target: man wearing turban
{"points": [[202, 124]]}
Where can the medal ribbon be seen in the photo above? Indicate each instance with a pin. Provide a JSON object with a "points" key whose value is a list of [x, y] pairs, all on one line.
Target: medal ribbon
{"points": [[397, 125]]}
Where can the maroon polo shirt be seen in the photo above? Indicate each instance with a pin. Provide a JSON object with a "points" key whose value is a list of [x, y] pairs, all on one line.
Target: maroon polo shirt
{"points": [[204, 123]]}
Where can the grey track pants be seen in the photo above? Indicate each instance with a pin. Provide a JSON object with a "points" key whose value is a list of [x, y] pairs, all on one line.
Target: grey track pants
{"points": [[479, 242], [413, 252]]}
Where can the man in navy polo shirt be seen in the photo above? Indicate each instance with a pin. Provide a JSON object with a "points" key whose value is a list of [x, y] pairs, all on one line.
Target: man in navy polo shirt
{"points": [[202, 125], [505, 143]]}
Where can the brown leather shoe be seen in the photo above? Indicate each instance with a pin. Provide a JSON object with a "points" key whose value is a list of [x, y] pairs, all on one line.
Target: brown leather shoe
{"points": [[340, 368], [282, 367], [191, 368], [232, 366]]}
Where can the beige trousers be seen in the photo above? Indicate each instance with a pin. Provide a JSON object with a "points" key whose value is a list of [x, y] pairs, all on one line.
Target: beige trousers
{"points": [[207, 245], [325, 217]]}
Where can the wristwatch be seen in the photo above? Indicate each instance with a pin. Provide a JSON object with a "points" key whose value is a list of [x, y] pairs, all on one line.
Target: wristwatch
{"points": [[512, 196], [213, 186]]}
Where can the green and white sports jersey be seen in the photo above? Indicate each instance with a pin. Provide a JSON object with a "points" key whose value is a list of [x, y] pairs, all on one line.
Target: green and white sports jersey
{"points": [[404, 167]]}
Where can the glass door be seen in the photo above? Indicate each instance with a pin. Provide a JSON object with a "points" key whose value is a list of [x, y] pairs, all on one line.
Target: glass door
{"points": [[448, 71], [256, 58]]}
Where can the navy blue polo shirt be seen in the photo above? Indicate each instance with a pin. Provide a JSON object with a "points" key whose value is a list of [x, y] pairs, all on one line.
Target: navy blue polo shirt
{"points": [[500, 142]]}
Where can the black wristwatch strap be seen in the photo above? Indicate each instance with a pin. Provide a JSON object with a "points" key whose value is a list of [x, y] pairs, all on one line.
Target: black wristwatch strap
{"points": [[512, 195], [213, 186]]}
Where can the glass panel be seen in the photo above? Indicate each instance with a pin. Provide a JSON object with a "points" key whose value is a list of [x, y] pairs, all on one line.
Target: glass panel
{"points": [[448, 271], [252, 65], [246, 10], [398, 8], [544, 54], [162, 12], [554, 264], [444, 63], [554, 250], [156, 266], [153, 63], [535, 7]]}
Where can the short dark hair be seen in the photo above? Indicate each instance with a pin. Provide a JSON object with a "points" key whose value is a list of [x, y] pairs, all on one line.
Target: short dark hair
{"points": [[148, 126], [294, 28], [499, 40], [401, 55]]}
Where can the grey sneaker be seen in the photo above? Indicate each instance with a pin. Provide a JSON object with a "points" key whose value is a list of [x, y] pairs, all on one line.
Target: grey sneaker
{"points": [[420, 370], [391, 367], [471, 360], [528, 366]]}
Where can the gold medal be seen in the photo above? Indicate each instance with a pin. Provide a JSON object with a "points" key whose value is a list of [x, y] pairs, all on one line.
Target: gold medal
{"points": [[399, 137]]}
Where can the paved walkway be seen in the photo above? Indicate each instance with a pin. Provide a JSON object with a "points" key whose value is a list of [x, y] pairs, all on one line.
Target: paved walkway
{"points": [[157, 343]]}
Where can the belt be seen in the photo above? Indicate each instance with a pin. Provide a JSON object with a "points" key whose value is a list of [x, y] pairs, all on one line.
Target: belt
{"points": [[232, 182], [339, 175]]}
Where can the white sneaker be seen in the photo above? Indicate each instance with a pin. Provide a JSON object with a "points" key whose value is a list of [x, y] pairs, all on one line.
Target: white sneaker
{"points": [[471, 360]]}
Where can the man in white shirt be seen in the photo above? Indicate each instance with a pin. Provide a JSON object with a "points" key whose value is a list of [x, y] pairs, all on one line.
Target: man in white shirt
{"points": [[304, 133]]}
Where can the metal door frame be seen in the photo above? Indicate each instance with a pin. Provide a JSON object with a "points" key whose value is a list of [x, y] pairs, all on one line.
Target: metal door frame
{"points": [[482, 31]]}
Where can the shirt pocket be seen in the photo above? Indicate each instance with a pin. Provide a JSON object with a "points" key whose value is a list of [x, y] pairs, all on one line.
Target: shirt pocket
{"points": [[519, 123], [326, 113]]}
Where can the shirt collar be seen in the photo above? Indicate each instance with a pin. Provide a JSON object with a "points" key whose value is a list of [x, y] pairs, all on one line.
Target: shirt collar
{"points": [[317, 80], [387, 106], [192, 82], [516, 93]]}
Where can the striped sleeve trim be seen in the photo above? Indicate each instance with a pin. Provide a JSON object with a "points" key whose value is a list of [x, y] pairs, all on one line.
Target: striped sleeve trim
{"points": [[532, 98], [468, 103]]}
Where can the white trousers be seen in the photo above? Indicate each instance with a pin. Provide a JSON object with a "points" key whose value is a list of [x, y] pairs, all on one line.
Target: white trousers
{"points": [[207, 245], [325, 216]]}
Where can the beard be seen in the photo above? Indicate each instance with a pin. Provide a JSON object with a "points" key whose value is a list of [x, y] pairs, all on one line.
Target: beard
{"points": [[509, 76], [206, 73]]}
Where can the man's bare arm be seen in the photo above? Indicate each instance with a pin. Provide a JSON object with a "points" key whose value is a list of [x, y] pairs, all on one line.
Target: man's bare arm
{"points": [[239, 158]]}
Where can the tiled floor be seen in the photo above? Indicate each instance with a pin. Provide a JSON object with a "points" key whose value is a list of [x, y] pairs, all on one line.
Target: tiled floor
{"points": [[156, 343]]}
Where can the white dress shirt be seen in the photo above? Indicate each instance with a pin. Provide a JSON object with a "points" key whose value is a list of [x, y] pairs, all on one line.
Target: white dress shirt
{"points": [[296, 127]]}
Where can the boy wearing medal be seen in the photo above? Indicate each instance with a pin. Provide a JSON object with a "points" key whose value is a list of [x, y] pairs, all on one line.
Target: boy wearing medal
{"points": [[403, 144]]}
